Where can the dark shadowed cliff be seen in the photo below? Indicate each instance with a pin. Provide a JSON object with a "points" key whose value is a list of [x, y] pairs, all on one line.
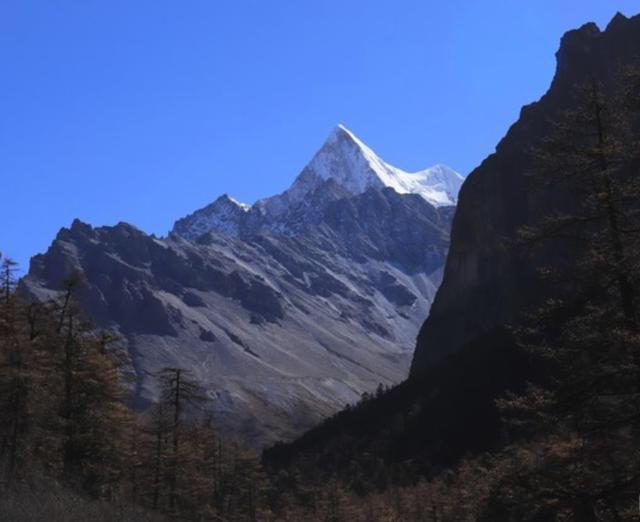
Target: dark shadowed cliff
{"points": [[465, 357], [486, 283]]}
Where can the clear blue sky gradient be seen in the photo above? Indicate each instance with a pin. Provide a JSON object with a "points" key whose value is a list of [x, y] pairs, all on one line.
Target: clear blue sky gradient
{"points": [[145, 110]]}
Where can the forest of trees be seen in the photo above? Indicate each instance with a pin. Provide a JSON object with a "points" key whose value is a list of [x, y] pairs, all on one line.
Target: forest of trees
{"points": [[568, 441], [65, 422], [72, 449]]}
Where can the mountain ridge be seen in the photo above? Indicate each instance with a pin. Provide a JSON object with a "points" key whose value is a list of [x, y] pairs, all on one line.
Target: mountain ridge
{"points": [[343, 159], [284, 320], [486, 283]]}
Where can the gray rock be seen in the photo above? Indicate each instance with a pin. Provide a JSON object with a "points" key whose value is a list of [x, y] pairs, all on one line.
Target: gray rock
{"points": [[283, 320]]}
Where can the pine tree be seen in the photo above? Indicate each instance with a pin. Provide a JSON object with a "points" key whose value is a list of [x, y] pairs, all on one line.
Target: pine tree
{"points": [[14, 374], [180, 394], [582, 461], [93, 417]]}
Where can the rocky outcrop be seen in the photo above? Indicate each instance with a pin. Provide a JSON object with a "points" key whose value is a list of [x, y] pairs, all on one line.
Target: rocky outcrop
{"points": [[485, 283]]}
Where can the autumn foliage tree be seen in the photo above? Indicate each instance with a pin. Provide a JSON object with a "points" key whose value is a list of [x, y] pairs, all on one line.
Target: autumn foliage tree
{"points": [[64, 417]]}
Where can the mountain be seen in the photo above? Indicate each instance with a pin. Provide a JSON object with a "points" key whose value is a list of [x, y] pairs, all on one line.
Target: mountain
{"points": [[356, 168], [465, 357], [343, 160], [485, 282], [285, 310]]}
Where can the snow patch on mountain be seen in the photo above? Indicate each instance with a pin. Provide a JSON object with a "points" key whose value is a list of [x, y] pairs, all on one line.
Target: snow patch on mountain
{"points": [[223, 215], [345, 159]]}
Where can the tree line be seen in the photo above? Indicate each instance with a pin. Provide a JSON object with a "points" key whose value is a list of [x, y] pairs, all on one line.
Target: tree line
{"points": [[65, 420]]}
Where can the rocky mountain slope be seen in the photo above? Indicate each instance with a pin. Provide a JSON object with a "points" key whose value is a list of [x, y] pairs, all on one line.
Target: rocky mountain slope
{"points": [[465, 357], [485, 283], [343, 160], [285, 310]]}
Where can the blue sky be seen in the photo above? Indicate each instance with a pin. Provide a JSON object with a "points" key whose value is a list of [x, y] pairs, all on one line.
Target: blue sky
{"points": [[143, 111]]}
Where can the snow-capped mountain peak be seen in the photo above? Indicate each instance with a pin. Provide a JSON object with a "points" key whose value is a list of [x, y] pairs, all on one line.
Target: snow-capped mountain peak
{"points": [[243, 206], [439, 184], [355, 166], [344, 160], [224, 215]]}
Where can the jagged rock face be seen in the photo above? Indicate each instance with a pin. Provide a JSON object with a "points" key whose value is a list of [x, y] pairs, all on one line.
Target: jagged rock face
{"points": [[283, 317], [485, 284], [343, 162]]}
